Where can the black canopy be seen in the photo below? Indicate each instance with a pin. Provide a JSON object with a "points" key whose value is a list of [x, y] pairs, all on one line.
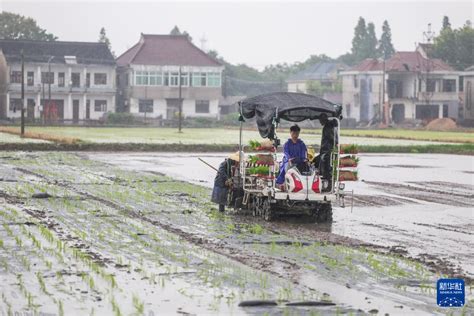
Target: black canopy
{"points": [[289, 106]]}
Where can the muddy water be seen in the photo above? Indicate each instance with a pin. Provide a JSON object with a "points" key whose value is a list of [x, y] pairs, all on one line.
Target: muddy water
{"points": [[418, 205]]}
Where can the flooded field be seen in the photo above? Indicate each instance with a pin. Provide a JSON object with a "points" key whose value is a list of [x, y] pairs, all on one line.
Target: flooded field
{"points": [[112, 233]]}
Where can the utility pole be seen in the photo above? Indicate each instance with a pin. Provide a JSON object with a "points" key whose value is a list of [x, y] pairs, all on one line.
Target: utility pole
{"points": [[146, 101], [180, 102], [383, 114], [49, 83], [22, 93], [44, 104]]}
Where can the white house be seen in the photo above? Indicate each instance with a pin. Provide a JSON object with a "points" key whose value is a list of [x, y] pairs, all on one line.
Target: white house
{"points": [[415, 88], [64, 81], [160, 70]]}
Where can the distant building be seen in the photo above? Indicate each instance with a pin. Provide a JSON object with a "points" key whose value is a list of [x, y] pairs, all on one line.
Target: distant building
{"points": [[228, 105], [416, 88], [81, 81], [325, 74], [149, 81]]}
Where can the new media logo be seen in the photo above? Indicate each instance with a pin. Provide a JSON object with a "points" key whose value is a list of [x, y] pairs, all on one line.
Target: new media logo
{"points": [[450, 292]]}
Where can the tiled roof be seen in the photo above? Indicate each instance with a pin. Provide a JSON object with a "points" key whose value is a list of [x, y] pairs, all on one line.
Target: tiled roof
{"points": [[166, 50], [319, 71], [41, 51], [403, 62]]}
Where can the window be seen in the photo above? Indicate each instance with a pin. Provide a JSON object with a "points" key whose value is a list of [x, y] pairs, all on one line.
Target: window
{"points": [[61, 80], [100, 78], [449, 85], [214, 79], [430, 85], [100, 105], [184, 79], [15, 77], [174, 79], [145, 106], [88, 80], [30, 78], [355, 81], [202, 106], [47, 77], [370, 84], [76, 79], [166, 78], [199, 79], [15, 104], [461, 83], [141, 78], [156, 79]]}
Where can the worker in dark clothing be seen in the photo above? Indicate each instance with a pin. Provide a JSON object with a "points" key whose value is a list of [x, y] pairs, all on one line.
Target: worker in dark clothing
{"points": [[223, 180], [328, 141]]}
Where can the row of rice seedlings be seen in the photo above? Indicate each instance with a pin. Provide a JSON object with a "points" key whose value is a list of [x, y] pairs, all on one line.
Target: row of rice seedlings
{"points": [[7, 304], [28, 296]]}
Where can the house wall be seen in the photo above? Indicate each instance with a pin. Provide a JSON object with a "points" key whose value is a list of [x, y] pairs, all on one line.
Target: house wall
{"points": [[129, 93], [3, 86], [365, 97], [39, 91], [468, 109], [160, 108], [297, 86]]}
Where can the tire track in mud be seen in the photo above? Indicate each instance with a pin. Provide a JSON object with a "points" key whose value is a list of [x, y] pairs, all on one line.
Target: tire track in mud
{"points": [[280, 267], [453, 197]]}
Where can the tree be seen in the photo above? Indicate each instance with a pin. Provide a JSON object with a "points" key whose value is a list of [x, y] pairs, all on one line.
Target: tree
{"points": [[15, 26], [385, 48], [104, 39], [446, 24], [455, 46], [359, 40], [364, 43], [176, 31], [371, 41]]}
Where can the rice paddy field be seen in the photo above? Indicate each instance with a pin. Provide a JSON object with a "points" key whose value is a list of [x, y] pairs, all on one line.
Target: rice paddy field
{"points": [[84, 237]]}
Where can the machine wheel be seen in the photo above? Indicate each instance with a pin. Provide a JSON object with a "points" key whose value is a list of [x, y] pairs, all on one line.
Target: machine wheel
{"points": [[268, 213], [323, 214], [238, 203]]}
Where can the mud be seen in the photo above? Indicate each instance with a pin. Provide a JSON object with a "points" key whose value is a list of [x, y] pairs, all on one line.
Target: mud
{"points": [[149, 218], [453, 194]]}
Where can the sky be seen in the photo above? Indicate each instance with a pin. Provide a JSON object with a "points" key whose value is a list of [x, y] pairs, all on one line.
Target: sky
{"points": [[257, 33]]}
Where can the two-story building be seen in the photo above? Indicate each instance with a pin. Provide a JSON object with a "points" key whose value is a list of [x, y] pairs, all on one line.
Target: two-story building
{"points": [[415, 88], [63, 81], [160, 71]]}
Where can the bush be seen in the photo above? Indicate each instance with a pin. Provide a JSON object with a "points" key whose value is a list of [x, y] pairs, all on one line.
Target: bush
{"points": [[121, 118], [230, 119]]}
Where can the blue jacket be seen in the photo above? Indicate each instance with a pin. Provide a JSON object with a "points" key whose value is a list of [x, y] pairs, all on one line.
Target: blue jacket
{"points": [[294, 150]]}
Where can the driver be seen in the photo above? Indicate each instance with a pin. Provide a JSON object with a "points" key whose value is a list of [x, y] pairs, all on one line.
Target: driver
{"points": [[294, 152]]}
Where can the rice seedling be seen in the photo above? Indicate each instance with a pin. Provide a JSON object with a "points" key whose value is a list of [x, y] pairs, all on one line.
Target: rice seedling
{"points": [[115, 307], [40, 278], [138, 305], [60, 308]]}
